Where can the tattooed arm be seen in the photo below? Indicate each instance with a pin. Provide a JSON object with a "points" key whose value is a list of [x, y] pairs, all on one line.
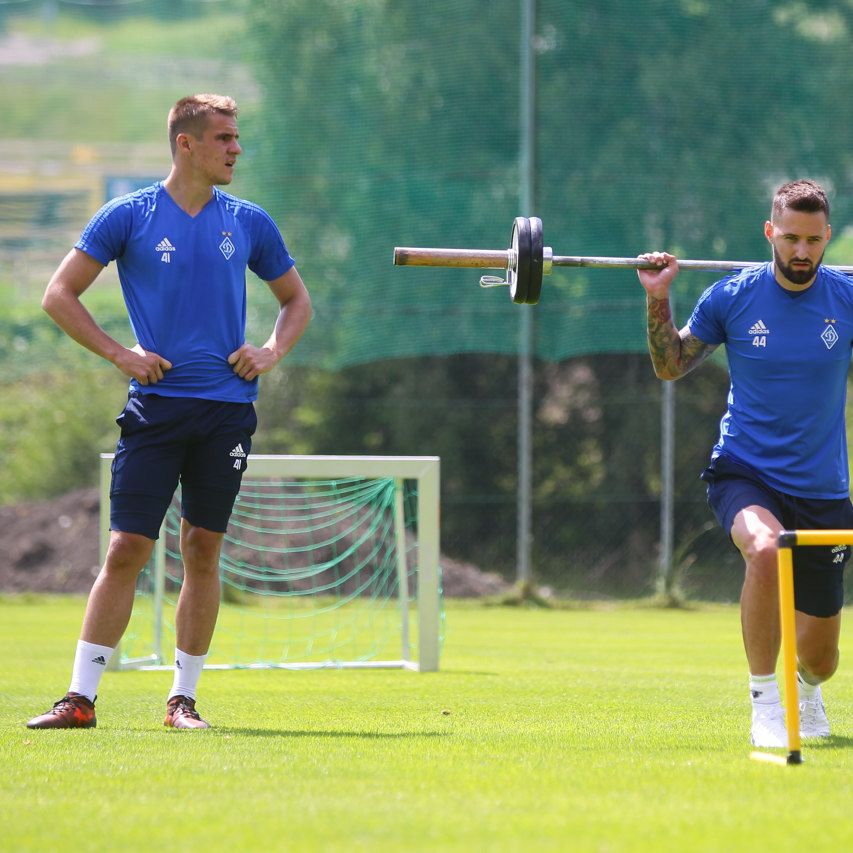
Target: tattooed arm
{"points": [[673, 353]]}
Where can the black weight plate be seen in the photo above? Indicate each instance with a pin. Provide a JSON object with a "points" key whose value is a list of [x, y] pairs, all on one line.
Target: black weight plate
{"points": [[534, 286]]}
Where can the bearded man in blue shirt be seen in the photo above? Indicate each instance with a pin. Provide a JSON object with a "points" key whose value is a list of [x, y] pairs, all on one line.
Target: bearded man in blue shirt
{"points": [[781, 458], [182, 247]]}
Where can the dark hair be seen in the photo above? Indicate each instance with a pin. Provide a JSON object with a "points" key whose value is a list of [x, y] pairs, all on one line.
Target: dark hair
{"points": [[804, 195], [190, 114]]}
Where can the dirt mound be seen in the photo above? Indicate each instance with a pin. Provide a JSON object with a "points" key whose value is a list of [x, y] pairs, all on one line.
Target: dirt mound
{"points": [[53, 546], [465, 580], [50, 546]]}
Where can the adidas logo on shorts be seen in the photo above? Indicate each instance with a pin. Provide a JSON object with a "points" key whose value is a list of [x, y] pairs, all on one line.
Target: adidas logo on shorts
{"points": [[238, 451]]}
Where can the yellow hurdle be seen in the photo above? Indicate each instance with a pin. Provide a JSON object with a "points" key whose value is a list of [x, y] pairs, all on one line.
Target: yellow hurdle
{"points": [[788, 539]]}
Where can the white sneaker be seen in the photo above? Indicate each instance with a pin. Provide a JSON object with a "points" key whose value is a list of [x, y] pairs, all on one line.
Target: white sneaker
{"points": [[768, 726], [813, 721]]}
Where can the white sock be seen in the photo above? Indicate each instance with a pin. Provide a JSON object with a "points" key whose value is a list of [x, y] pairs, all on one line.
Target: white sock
{"points": [[764, 689], [90, 661], [187, 673]]}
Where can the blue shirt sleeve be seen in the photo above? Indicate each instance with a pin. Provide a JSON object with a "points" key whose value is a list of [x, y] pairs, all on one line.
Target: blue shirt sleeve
{"points": [[106, 235], [705, 321], [269, 258]]}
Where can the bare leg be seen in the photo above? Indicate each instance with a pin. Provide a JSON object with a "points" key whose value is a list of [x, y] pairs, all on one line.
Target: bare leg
{"points": [[755, 532], [111, 599], [107, 614], [198, 603], [817, 645], [817, 650]]}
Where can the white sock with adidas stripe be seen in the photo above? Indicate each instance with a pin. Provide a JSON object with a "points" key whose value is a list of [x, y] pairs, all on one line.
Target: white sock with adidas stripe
{"points": [[90, 661], [187, 673]]}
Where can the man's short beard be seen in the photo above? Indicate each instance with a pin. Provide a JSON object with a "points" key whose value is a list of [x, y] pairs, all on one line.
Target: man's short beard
{"points": [[793, 275]]}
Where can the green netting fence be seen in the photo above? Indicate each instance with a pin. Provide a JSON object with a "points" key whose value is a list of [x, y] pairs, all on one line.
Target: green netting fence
{"points": [[373, 123]]}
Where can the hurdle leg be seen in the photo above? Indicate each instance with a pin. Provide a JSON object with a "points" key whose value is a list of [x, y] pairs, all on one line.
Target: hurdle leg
{"points": [[787, 621]]}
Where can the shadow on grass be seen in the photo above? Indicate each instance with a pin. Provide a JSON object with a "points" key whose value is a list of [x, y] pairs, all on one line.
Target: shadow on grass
{"points": [[445, 672], [831, 742], [291, 733]]}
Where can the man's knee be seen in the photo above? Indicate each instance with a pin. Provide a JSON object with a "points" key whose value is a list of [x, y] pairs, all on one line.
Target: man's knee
{"points": [[128, 552], [200, 549], [760, 556], [818, 669], [755, 532], [817, 646]]}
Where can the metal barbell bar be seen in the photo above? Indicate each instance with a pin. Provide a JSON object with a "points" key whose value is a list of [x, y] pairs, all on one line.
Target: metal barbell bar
{"points": [[527, 260]]}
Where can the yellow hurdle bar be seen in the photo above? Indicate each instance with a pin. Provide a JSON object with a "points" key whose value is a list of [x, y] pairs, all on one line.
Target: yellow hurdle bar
{"points": [[789, 539]]}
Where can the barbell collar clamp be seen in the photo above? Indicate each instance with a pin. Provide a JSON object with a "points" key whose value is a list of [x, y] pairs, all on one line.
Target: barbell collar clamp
{"points": [[493, 281]]}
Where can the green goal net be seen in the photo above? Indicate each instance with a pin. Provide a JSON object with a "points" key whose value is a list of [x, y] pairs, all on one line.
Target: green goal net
{"points": [[327, 562]]}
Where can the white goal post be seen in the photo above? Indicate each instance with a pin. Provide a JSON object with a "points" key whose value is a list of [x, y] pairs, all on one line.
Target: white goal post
{"points": [[399, 544]]}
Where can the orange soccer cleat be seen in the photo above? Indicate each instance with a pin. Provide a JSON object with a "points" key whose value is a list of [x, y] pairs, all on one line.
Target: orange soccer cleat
{"points": [[181, 714], [73, 711]]}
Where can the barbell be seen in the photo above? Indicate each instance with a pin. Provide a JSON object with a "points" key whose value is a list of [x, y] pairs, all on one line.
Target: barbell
{"points": [[527, 259]]}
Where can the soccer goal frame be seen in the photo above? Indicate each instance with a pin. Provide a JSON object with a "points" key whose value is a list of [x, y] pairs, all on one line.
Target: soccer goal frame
{"points": [[423, 470]]}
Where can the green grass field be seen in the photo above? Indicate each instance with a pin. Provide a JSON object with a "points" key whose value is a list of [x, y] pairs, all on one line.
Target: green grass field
{"points": [[596, 729]]}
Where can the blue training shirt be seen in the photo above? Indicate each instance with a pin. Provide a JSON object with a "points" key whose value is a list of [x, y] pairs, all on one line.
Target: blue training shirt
{"points": [[184, 282], [788, 357]]}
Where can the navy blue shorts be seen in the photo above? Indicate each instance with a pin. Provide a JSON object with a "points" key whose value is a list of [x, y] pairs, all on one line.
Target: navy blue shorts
{"points": [[818, 570], [203, 444]]}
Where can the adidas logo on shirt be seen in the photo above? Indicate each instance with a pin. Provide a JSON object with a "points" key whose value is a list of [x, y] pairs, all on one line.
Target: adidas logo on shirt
{"points": [[165, 247], [759, 329]]}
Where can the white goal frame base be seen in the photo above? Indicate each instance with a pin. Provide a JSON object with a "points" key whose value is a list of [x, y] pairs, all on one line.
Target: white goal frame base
{"points": [[422, 469]]}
